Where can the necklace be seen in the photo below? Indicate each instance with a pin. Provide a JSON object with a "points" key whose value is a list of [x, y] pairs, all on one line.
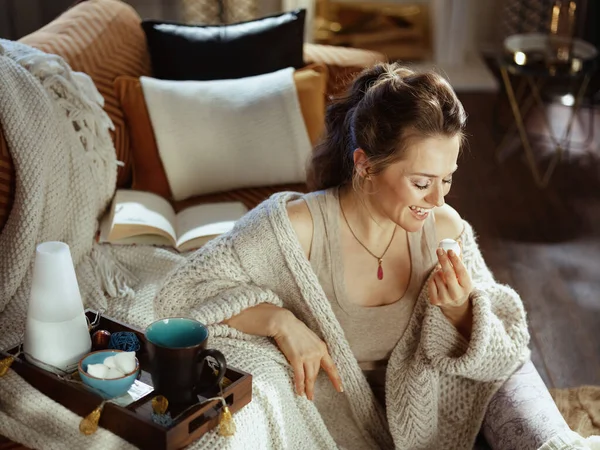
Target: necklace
{"points": [[379, 258]]}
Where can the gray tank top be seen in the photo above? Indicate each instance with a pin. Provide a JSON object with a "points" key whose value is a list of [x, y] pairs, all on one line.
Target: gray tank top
{"points": [[372, 350]]}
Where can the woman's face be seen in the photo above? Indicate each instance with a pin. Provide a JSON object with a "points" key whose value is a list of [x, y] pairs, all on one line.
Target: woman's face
{"points": [[407, 190]]}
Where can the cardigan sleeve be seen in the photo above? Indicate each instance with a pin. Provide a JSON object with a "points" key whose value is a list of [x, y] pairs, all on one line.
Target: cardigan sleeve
{"points": [[211, 286], [499, 337]]}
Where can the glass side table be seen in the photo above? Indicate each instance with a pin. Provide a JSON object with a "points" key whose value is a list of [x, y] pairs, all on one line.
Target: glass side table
{"points": [[532, 62]]}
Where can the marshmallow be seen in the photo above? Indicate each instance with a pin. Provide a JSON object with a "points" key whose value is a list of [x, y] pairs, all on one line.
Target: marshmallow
{"points": [[113, 373], [113, 366], [125, 361], [97, 370], [110, 362], [450, 244]]}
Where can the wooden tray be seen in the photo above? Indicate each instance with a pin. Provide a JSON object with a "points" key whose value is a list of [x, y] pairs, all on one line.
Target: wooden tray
{"points": [[134, 422]]}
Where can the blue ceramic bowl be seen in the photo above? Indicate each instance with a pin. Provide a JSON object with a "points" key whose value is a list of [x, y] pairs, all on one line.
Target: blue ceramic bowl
{"points": [[108, 388]]}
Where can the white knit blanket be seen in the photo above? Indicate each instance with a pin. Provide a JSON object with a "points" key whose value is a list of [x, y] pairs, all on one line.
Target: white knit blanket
{"points": [[65, 163], [65, 167], [218, 135]]}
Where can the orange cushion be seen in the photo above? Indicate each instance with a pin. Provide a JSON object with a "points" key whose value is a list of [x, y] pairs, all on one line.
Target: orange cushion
{"points": [[148, 171], [104, 39]]}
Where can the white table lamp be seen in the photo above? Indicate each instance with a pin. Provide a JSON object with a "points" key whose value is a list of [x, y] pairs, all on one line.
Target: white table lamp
{"points": [[56, 333]]}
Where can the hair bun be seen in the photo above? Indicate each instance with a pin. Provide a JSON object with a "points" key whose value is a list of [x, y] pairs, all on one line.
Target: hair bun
{"points": [[369, 76], [381, 71]]}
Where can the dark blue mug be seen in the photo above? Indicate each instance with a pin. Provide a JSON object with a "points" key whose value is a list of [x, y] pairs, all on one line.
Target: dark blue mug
{"points": [[177, 351]]}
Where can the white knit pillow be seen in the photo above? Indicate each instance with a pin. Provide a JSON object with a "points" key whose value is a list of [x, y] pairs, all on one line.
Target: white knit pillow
{"points": [[219, 135]]}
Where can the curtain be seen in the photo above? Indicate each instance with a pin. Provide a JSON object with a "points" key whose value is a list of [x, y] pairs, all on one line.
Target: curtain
{"points": [[452, 31], [309, 5], [213, 12]]}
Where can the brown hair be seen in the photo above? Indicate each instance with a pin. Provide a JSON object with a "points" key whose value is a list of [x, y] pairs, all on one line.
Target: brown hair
{"points": [[385, 106]]}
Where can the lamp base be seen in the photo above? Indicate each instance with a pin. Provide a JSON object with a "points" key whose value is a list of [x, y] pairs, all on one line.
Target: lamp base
{"points": [[57, 346]]}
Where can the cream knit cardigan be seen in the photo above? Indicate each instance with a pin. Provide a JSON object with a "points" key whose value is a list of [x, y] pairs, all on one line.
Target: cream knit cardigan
{"points": [[437, 385]]}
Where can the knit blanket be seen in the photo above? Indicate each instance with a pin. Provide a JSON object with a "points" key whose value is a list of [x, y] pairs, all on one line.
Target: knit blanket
{"points": [[65, 164]]}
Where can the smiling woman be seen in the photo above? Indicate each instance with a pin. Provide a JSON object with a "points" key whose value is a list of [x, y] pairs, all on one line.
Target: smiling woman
{"points": [[413, 341]]}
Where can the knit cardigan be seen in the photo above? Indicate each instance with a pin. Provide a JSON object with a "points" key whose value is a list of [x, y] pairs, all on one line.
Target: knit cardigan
{"points": [[438, 384]]}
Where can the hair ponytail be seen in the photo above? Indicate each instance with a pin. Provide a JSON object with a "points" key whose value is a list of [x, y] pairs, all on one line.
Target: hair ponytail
{"points": [[332, 163], [384, 105]]}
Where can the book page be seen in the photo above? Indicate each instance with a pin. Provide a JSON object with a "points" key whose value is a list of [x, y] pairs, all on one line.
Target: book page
{"points": [[139, 213], [207, 221], [146, 239]]}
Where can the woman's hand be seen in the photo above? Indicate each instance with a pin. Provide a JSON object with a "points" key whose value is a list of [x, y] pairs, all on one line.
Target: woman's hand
{"points": [[306, 353], [450, 288]]}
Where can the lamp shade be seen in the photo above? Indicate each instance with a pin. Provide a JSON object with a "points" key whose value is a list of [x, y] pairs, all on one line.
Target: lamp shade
{"points": [[56, 332]]}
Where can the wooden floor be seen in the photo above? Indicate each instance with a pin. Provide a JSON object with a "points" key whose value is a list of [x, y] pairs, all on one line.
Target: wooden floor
{"points": [[543, 243]]}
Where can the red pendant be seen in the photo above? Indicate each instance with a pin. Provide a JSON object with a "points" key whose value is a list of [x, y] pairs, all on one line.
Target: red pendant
{"points": [[380, 271]]}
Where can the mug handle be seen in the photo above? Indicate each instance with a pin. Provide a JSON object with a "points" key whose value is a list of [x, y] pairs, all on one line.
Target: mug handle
{"points": [[218, 356]]}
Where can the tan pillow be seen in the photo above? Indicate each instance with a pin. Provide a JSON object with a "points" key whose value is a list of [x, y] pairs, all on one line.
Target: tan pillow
{"points": [[148, 171]]}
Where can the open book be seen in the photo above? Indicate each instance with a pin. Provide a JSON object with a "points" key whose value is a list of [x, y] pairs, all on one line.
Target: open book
{"points": [[138, 217]]}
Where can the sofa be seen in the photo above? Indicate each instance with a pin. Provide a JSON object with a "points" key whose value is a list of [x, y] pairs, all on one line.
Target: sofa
{"points": [[104, 39]]}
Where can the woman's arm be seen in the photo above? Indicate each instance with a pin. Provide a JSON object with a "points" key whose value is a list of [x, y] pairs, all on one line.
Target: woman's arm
{"points": [[261, 320], [304, 350], [266, 319], [213, 287], [449, 225], [499, 337]]}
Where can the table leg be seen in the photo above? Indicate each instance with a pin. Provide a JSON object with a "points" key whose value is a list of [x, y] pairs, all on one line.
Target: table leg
{"points": [[560, 144], [519, 113], [521, 127], [525, 108]]}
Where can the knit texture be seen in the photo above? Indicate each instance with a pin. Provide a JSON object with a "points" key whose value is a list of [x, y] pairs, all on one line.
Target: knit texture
{"points": [[438, 385], [55, 197], [65, 164]]}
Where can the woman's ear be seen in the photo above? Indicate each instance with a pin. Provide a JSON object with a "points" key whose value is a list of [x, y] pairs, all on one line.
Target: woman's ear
{"points": [[361, 162]]}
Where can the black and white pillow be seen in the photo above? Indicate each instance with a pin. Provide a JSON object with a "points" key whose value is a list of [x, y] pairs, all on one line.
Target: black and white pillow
{"points": [[216, 52]]}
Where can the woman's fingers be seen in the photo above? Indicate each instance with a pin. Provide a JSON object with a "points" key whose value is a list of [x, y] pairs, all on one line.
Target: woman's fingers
{"points": [[433, 292], [446, 266], [331, 370], [449, 269], [440, 285], [462, 275], [299, 375], [311, 371], [305, 375]]}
